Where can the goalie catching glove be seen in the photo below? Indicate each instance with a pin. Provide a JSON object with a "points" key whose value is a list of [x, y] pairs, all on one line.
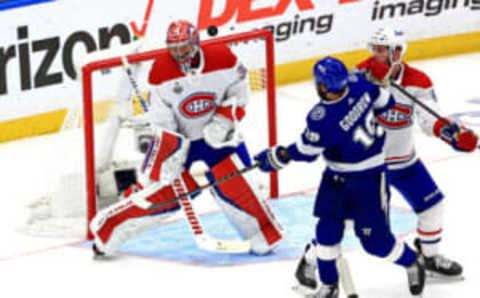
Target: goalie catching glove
{"points": [[459, 137], [218, 132], [222, 130]]}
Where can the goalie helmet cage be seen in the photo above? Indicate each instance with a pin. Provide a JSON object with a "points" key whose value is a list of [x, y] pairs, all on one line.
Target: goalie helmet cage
{"points": [[267, 73]]}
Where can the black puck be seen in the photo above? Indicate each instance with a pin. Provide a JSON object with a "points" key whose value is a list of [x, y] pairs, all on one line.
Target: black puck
{"points": [[212, 30]]}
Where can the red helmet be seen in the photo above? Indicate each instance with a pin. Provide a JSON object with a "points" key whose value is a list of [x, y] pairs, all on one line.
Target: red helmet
{"points": [[183, 41]]}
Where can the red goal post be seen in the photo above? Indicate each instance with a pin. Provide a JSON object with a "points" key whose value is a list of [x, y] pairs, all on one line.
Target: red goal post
{"points": [[90, 68]]}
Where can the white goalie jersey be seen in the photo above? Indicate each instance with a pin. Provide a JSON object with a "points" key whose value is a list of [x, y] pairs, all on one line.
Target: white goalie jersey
{"points": [[185, 103], [399, 121]]}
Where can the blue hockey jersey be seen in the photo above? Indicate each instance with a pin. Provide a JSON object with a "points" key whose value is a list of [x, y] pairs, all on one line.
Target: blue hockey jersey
{"points": [[345, 131]]}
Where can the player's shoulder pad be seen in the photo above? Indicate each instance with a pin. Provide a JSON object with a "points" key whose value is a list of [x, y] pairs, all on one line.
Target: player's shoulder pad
{"points": [[316, 118], [359, 84], [218, 57], [317, 113], [415, 78], [164, 69], [357, 80], [356, 77]]}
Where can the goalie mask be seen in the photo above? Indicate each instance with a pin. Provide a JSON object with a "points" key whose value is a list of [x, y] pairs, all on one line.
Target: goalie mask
{"points": [[183, 42], [393, 40]]}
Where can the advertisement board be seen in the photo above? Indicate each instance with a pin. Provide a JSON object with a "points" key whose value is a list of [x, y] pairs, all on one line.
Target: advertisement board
{"points": [[41, 44]]}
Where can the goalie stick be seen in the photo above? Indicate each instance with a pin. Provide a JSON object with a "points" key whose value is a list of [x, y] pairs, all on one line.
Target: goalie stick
{"points": [[133, 82], [200, 188], [202, 239]]}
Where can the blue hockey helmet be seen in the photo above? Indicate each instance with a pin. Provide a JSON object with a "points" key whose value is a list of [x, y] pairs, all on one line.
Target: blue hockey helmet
{"points": [[332, 73]]}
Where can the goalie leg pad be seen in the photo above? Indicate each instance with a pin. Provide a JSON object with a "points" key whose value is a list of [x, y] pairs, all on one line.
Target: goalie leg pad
{"points": [[121, 221], [247, 211], [118, 223]]}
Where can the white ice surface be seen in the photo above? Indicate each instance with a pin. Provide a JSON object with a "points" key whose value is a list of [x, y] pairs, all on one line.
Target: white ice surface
{"points": [[45, 267]]}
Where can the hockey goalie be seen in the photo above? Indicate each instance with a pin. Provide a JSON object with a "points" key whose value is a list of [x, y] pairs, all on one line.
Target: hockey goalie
{"points": [[197, 98]]}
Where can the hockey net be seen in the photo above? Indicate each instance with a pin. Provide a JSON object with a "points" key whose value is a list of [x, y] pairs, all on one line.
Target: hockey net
{"points": [[72, 200]]}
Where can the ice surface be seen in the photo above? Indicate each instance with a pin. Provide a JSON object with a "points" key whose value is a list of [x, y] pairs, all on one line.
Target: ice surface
{"points": [[45, 267]]}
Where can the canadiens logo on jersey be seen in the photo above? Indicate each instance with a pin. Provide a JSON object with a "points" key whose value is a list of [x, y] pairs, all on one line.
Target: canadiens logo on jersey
{"points": [[397, 117], [198, 104]]}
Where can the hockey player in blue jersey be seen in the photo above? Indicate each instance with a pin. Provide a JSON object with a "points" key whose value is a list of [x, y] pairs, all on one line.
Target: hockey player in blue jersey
{"points": [[342, 128]]}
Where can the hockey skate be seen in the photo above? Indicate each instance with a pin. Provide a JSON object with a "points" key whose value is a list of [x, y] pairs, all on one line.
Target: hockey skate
{"points": [[307, 283], [416, 277], [327, 291], [439, 268], [98, 254]]}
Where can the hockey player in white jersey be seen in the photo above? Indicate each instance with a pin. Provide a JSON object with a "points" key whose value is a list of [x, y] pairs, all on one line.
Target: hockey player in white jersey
{"points": [[406, 171], [198, 95]]}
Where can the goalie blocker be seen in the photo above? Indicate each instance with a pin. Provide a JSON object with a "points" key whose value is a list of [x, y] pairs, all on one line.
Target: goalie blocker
{"points": [[169, 158]]}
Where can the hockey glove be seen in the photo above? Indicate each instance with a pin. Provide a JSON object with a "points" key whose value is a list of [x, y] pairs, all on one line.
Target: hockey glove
{"points": [[219, 132], [272, 159], [459, 137], [378, 73]]}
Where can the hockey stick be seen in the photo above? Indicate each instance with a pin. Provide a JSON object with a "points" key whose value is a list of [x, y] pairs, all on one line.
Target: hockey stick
{"points": [[388, 79], [346, 277], [203, 187], [424, 106], [202, 239]]}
